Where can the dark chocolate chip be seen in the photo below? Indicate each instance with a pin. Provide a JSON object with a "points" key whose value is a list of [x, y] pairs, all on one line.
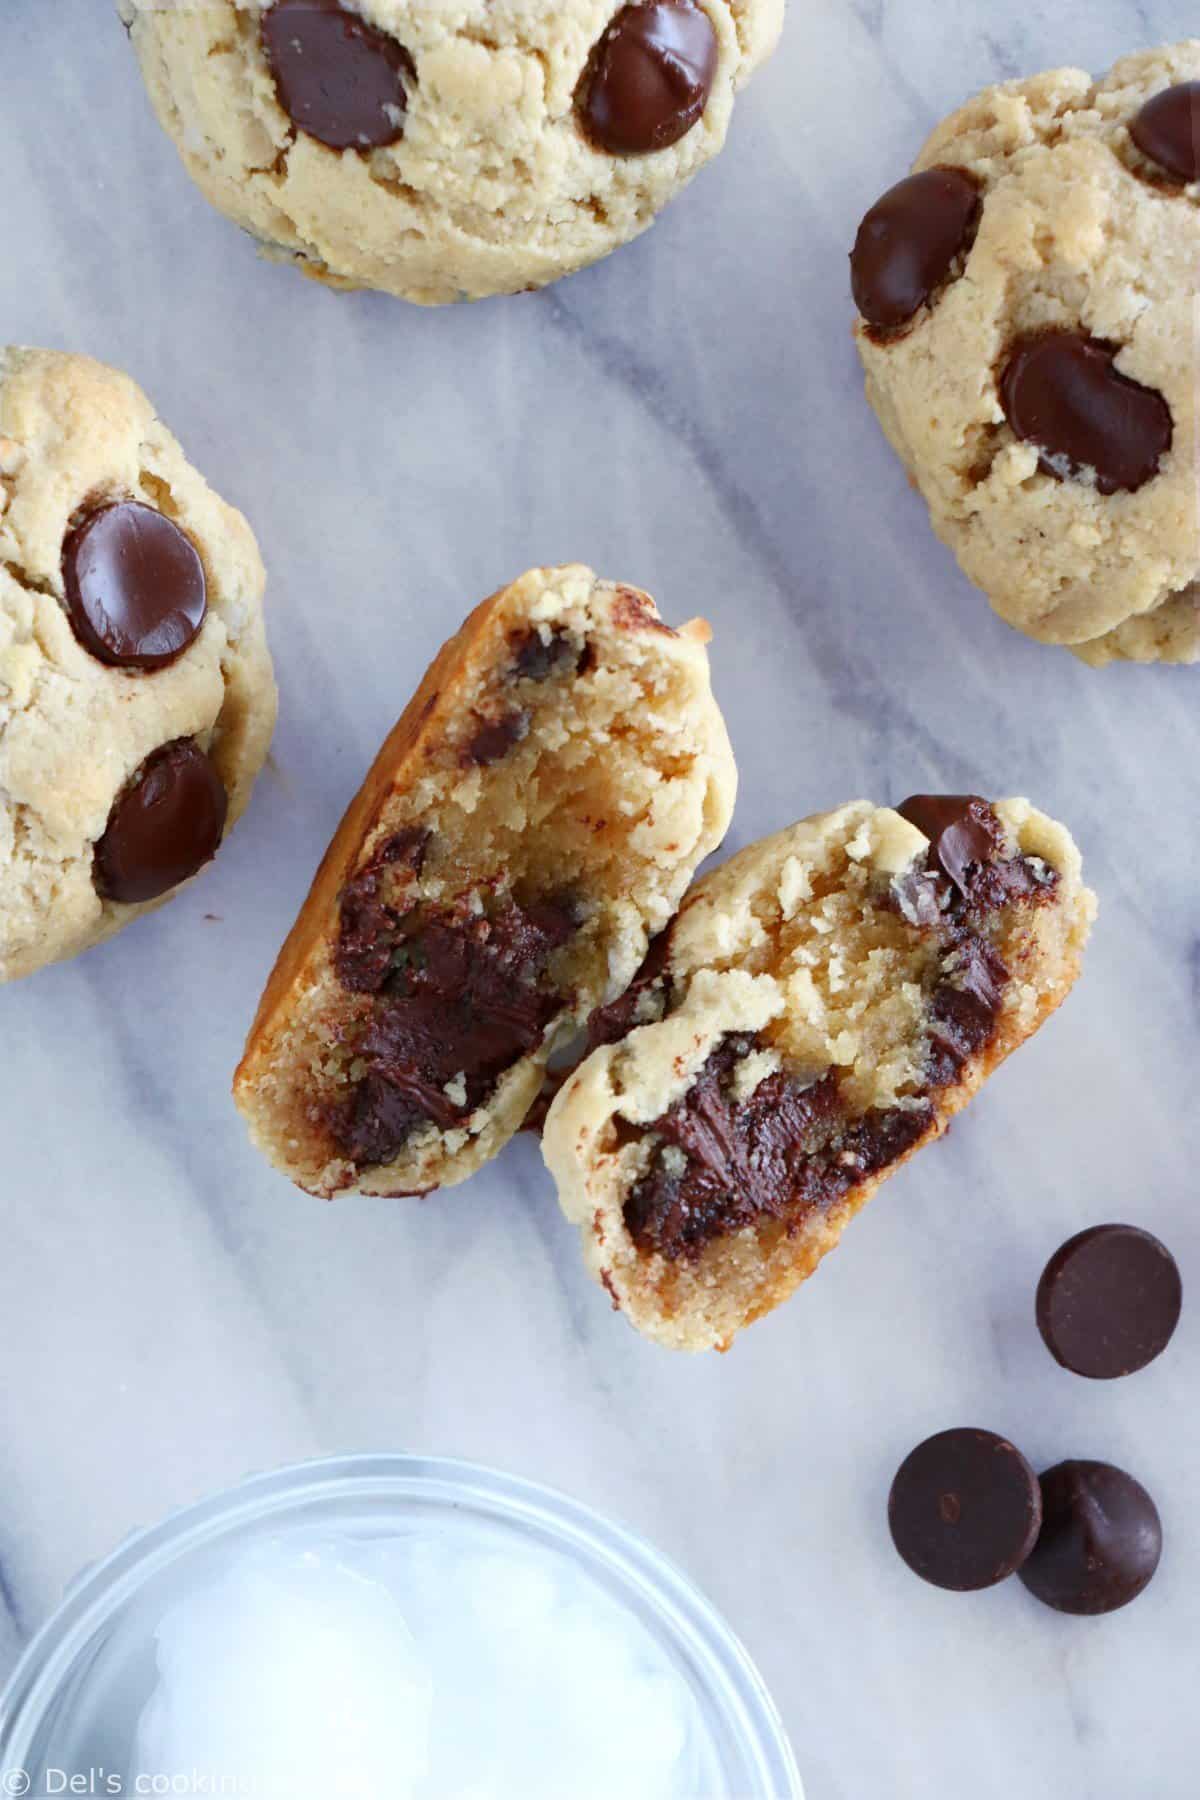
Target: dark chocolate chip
{"points": [[339, 79], [1108, 1301], [135, 586], [164, 825], [536, 658], [496, 737], [1167, 130], [962, 829], [1062, 391], [910, 243], [964, 1509], [649, 78], [1100, 1542]]}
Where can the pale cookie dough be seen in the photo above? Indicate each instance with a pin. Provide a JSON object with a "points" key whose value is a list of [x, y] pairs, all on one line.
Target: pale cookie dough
{"points": [[468, 169], [821, 1006], [1030, 342], [530, 823], [125, 751]]}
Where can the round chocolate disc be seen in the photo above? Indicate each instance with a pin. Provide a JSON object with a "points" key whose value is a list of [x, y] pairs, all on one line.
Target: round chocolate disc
{"points": [[908, 244], [1167, 131], [1100, 1541], [339, 79], [964, 1509], [135, 586], [1061, 391], [164, 825], [1109, 1301], [649, 78]]}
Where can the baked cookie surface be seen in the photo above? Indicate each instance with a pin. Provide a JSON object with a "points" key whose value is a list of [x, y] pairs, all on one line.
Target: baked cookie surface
{"points": [[532, 820], [821, 1006], [1028, 330], [136, 694], [449, 150]]}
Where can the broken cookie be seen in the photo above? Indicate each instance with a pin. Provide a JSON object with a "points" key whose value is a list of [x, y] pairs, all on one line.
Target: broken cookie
{"points": [[531, 822], [819, 1009]]}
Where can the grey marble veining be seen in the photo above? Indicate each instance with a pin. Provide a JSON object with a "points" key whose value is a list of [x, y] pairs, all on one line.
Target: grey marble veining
{"points": [[687, 416]]}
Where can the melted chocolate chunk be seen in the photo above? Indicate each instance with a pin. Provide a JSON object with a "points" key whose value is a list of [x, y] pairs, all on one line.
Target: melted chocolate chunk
{"points": [[135, 587], [1167, 131], [1108, 1301], [459, 1000], [963, 1009], [369, 927], [339, 79], [536, 660], [1062, 391], [649, 78], [911, 243], [1100, 1542], [166, 824], [782, 1152], [962, 829], [496, 737], [608, 1024], [965, 1509]]}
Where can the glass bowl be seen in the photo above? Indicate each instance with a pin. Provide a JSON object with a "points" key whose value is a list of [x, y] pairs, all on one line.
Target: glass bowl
{"points": [[72, 1705]]}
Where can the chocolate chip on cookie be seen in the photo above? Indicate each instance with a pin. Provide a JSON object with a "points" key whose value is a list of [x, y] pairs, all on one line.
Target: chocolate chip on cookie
{"points": [[339, 79], [1062, 391], [965, 1509], [1108, 1301], [166, 824], [1167, 131], [910, 244], [1100, 1542], [135, 586], [649, 77]]}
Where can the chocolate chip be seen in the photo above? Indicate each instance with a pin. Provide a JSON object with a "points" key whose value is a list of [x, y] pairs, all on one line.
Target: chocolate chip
{"points": [[1167, 130], [1061, 391], [164, 825], [536, 658], [962, 829], [339, 79], [964, 1509], [911, 242], [135, 586], [1108, 1301], [496, 737], [649, 78], [1100, 1542]]}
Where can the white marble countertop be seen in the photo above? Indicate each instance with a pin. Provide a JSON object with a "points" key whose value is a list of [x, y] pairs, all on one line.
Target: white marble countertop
{"points": [[687, 416]]}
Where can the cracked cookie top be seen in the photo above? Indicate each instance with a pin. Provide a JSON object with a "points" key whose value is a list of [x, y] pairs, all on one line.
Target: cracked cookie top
{"points": [[136, 693], [452, 150]]}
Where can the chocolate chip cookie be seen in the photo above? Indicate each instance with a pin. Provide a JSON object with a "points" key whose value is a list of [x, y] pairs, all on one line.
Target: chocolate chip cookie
{"points": [[819, 1009], [136, 695], [446, 152], [531, 822], [1026, 322]]}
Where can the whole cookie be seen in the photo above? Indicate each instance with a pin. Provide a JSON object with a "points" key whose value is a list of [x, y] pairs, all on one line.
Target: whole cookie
{"points": [[453, 151], [1026, 325], [136, 694]]}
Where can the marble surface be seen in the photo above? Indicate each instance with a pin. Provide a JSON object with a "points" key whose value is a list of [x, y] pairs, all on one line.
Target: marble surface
{"points": [[687, 416]]}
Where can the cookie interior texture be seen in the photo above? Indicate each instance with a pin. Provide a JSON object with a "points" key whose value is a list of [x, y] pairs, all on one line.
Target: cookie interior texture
{"points": [[76, 733], [1078, 233], [821, 1006], [489, 184], [533, 819]]}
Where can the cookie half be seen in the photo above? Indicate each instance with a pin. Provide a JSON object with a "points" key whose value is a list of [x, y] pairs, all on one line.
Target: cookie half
{"points": [[137, 699], [1028, 332], [820, 1008], [446, 151], [532, 820]]}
